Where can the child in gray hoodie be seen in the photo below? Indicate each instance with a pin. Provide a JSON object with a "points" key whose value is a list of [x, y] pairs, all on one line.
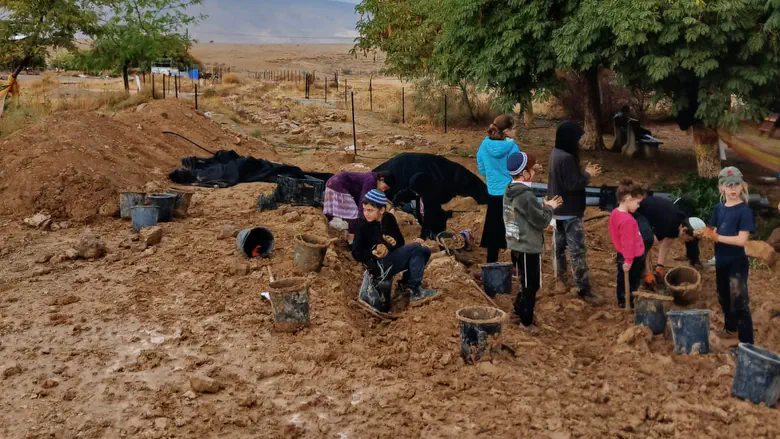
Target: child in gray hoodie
{"points": [[525, 219]]}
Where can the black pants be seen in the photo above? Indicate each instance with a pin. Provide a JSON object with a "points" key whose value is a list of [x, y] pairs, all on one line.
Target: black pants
{"points": [[494, 231], [530, 267], [732, 283], [634, 279], [410, 258]]}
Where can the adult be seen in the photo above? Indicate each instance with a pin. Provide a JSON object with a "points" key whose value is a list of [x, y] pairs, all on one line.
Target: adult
{"points": [[430, 181], [567, 180], [491, 162], [344, 194], [668, 221]]}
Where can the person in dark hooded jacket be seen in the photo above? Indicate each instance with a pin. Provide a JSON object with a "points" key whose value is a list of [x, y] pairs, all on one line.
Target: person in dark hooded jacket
{"points": [[567, 180]]}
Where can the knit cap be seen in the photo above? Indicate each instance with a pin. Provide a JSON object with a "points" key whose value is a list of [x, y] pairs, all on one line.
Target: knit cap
{"points": [[376, 196]]}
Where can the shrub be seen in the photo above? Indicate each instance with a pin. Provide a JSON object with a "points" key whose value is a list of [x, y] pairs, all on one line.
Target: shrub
{"points": [[232, 78]]}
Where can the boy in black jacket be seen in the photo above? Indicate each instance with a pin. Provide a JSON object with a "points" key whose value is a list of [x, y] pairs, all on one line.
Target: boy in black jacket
{"points": [[380, 246]]}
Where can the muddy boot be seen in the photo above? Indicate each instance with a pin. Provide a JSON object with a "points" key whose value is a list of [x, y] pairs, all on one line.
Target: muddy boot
{"points": [[375, 296], [589, 297], [420, 295]]}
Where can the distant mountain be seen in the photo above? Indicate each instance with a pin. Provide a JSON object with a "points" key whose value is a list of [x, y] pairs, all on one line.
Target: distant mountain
{"points": [[276, 21]]}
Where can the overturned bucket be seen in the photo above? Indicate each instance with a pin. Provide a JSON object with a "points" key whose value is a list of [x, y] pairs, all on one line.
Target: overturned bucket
{"points": [[757, 378], [290, 303], [477, 325], [690, 331], [310, 252], [129, 200], [165, 203], [182, 203], [144, 216], [497, 278], [650, 310], [684, 283], [377, 297], [255, 242]]}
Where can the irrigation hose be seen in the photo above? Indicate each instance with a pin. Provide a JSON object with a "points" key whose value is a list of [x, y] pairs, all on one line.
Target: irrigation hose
{"points": [[180, 136]]}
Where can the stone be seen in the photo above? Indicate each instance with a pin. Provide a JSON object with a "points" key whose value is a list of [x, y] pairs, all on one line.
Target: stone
{"points": [[151, 235], [50, 384], [237, 141], [333, 133], [140, 107], [72, 254], [774, 239], [113, 257], [227, 231], [109, 210], [637, 336], [40, 220], [297, 130], [44, 258], [161, 423], [401, 144], [91, 247], [762, 251], [204, 384], [292, 217], [190, 395], [321, 142], [41, 271], [12, 370]]}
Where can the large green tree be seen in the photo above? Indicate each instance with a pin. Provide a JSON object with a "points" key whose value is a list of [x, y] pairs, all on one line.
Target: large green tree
{"points": [[141, 31]]}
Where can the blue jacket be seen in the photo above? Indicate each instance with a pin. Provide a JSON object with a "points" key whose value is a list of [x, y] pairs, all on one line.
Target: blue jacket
{"points": [[491, 162]]}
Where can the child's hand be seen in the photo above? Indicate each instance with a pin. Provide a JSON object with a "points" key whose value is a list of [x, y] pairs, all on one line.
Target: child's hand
{"points": [[593, 169], [389, 239], [706, 233], [555, 203], [626, 267], [380, 251], [538, 168]]}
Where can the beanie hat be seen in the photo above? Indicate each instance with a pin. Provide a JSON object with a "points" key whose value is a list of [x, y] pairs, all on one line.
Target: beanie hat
{"points": [[376, 196], [519, 162]]}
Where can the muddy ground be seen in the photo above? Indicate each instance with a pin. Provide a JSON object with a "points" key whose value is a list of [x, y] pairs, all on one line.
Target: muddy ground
{"points": [[110, 347]]}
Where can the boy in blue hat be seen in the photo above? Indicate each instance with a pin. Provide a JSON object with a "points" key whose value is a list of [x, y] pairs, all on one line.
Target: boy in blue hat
{"points": [[380, 246]]}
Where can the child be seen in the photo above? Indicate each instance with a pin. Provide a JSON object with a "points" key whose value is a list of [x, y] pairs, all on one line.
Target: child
{"points": [[624, 231], [345, 191], [525, 219], [732, 222], [379, 245]]}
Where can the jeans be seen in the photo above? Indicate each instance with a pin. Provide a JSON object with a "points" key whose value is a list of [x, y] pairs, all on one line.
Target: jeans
{"points": [[410, 258], [732, 284], [530, 267], [634, 279], [571, 233]]}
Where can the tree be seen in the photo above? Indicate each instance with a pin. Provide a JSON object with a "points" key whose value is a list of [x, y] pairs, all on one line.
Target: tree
{"points": [[28, 28], [717, 60], [141, 31]]}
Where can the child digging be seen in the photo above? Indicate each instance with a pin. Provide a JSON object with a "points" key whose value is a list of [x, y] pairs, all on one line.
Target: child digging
{"points": [[624, 231], [380, 246], [732, 222], [525, 219], [345, 191]]}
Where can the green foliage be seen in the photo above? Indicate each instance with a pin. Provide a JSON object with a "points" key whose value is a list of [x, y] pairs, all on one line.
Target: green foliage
{"points": [[347, 71], [701, 192], [257, 133]]}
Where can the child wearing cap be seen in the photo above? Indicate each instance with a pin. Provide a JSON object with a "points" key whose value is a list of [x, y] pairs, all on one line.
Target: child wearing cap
{"points": [[344, 192], [525, 219], [380, 246], [624, 231], [732, 223]]}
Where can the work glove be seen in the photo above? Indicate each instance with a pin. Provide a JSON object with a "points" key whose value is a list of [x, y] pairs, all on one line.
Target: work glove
{"points": [[649, 279], [660, 271]]}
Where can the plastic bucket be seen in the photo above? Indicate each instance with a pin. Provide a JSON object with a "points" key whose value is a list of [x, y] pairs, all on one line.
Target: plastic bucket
{"points": [[650, 311], [182, 203], [165, 202], [757, 378], [451, 241], [128, 200], [144, 216], [477, 325], [497, 279], [684, 283], [377, 297], [255, 242], [310, 252], [690, 331], [290, 304]]}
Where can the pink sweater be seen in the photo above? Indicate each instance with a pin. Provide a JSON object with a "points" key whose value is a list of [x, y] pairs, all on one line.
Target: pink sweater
{"points": [[625, 235]]}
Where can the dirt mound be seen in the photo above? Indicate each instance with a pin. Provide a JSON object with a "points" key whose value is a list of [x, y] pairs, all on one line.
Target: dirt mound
{"points": [[73, 162]]}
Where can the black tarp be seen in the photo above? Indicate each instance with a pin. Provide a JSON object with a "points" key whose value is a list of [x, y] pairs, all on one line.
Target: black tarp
{"points": [[227, 168]]}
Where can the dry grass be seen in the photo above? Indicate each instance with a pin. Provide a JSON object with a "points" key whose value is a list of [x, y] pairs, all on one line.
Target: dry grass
{"points": [[232, 78], [215, 104]]}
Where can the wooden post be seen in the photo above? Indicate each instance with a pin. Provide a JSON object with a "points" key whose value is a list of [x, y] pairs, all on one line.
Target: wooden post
{"points": [[403, 106], [196, 95], [345, 92], [176, 85], [445, 113], [153, 97], [336, 80], [354, 131], [371, 93], [163, 82], [326, 89], [143, 75]]}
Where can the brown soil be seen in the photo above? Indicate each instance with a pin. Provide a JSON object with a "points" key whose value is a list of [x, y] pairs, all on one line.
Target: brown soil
{"points": [[115, 346]]}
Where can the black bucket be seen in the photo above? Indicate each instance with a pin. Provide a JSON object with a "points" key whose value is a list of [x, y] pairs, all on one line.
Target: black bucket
{"points": [[290, 303], [684, 283], [477, 325], [650, 310], [376, 296], [300, 192], [256, 238], [310, 252], [497, 278], [165, 202], [690, 331], [757, 378]]}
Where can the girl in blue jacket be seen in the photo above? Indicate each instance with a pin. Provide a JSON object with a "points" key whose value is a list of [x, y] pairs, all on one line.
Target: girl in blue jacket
{"points": [[491, 161]]}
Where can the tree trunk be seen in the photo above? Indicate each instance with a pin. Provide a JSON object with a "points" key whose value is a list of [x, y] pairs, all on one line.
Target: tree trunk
{"points": [[22, 64], [126, 77], [592, 140], [705, 145], [465, 93], [529, 119]]}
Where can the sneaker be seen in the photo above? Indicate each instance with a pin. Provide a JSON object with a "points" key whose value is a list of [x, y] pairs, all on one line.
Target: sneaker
{"points": [[420, 295]]}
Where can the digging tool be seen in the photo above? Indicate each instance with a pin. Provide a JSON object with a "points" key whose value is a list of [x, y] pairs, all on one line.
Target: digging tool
{"points": [[628, 290], [484, 294], [179, 135], [270, 273]]}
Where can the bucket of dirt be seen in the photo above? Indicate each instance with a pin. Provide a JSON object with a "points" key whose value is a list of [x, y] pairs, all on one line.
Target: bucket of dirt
{"points": [[497, 278], [684, 283], [450, 241], [690, 331], [255, 242], [757, 378], [165, 203], [129, 200], [375, 296], [310, 252], [144, 216], [182, 203], [290, 304], [478, 325], [650, 310]]}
